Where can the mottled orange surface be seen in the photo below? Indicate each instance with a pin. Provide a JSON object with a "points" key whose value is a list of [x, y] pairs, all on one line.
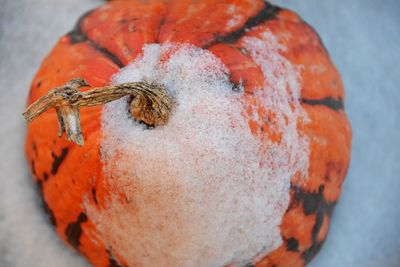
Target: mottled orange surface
{"points": [[111, 36]]}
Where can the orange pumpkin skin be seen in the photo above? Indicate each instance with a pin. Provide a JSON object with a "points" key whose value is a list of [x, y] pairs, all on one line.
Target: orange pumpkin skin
{"points": [[65, 173]]}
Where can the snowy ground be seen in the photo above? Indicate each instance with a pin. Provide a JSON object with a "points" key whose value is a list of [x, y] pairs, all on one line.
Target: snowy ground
{"points": [[363, 37]]}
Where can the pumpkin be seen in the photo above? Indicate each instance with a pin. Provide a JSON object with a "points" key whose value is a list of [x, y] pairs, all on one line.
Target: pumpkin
{"points": [[244, 171]]}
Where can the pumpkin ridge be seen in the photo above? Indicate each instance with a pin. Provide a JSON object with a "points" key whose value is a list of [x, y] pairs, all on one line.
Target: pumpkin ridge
{"points": [[268, 12], [76, 35], [157, 35], [162, 23], [237, 85], [318, 36], [329, 102], [106, 52]]}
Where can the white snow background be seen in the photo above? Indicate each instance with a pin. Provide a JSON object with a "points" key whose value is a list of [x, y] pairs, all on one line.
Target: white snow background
{"points": [[363, 37]]}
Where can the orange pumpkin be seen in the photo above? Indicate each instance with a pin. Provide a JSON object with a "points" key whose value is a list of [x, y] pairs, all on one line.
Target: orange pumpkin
{"points": [[74, 181]]}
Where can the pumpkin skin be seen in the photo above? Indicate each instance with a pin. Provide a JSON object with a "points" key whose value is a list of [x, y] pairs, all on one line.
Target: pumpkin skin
{"points": [[108, 38]]}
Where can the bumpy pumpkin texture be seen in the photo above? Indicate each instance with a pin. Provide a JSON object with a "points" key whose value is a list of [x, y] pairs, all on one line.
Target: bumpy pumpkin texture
{"points": [[108, 38]]}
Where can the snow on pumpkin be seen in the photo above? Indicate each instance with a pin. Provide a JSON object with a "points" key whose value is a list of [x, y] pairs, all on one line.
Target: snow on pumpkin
{"points": [[203, 189]]}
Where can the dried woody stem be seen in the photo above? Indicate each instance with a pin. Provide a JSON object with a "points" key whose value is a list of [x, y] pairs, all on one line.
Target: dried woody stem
{"points": [[150, 104]]}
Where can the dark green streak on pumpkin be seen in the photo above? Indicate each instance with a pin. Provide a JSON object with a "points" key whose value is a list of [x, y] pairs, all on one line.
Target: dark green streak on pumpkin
{"points": [[78, 36], [73, 231], [329, 102], [58, 160], [268, 12]]}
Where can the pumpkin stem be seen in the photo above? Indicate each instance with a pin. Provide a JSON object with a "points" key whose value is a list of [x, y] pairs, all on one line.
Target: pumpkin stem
{"points": [[150, 104]]}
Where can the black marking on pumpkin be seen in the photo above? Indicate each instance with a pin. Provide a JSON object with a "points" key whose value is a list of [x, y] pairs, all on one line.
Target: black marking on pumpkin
{"points": [[58, 160], [237, 87], [313, 202], [329, 102], [73, 231], [49, 212], [94, 195], [309, 254], [317, 226], [45, 176], [78, 36], [33, 168], [292, 244], [34, 147], [314, 249], [111, 261], [268, 12], [107, 53], [249, 265]]}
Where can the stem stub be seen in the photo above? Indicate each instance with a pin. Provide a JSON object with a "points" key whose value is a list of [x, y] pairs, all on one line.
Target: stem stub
{"points": [[150, 103]]}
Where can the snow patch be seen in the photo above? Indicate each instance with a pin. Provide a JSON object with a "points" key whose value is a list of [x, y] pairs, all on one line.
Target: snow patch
{"points": [[201, 190]]}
